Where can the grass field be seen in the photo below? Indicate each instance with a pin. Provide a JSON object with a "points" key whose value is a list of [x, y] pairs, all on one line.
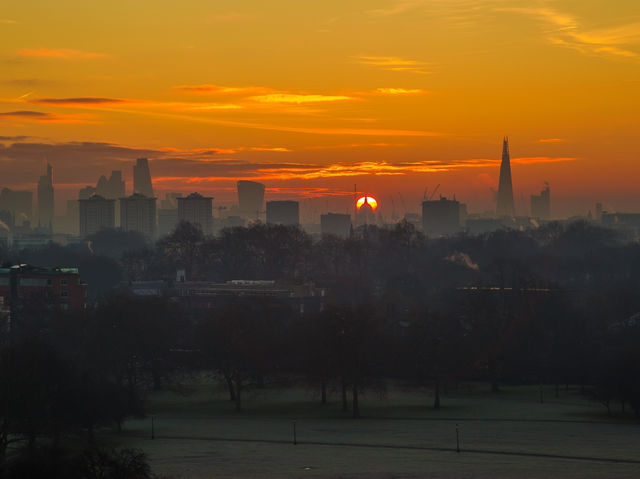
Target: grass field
{"points": [[198, 435]]}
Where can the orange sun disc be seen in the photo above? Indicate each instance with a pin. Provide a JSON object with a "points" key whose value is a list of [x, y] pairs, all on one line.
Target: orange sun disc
{"points": [[367, 200]]}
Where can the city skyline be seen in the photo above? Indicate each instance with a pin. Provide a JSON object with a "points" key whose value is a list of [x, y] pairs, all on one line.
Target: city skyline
{"points": [[394, 96]]}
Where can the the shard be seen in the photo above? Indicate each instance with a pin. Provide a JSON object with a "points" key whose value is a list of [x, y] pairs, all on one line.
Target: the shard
{"points": [[505, 188]]}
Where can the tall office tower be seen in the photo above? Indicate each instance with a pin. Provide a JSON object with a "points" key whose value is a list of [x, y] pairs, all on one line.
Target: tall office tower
{"points": [[250, 199], [541, 204], [142, 178], [505, 189], [18, 203], [440, 217], [45, 199], [96, 213], [138, 213], [283, 212], [113, 188], [337, 224], [197, 209]]}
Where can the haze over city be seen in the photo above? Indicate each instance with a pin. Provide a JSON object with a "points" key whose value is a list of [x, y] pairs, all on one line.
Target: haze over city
{"points": [[363, 238], [310, 99]]}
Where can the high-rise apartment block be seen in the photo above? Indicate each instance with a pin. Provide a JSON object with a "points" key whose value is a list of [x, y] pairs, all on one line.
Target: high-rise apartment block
{"points": [[541, 204], [197, 209], [138, 213], [283, 212], [96, 213], [250, 199], [337, 224], [440, 217]]}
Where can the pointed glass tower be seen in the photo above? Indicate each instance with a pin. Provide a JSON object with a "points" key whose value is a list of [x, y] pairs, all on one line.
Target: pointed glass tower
{"points": [[505, 189]]}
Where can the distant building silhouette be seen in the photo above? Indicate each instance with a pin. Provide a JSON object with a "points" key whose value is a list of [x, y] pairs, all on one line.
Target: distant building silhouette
{"points": [[142, 178], [541, 204], [505, 205], [138, 213], [45, 199], [440, 217], [18, 203], [197, 209], [335, 224], [283, 212], [250, 199], [168, 213], [95, 214]]}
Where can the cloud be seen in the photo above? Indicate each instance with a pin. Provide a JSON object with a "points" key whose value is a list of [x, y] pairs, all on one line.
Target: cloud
{"points": [[541, 159], [6, 21], [40, 117], [398, 8], [551, 140], [393, 63], [400, 91], [215, 89], [567, 31], [97, 102], [60, 53], [80, 101], [297, 98], [14, 138]]}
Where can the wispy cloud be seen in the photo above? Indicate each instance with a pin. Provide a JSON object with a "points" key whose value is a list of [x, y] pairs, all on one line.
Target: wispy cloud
{"points": [[298, 98], [41, 117], [7, 21], [60, 53], [400, 91], [394, 63], [397, 8], [98, 102], [551, 140], [566, 30], [217, 89]]}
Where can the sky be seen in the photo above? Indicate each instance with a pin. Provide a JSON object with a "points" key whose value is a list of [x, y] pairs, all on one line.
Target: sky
{"points": [[312, 98]]}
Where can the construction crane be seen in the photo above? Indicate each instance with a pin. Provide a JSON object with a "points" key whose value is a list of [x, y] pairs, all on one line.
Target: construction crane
{"points": [[434, 191], [404, 207]]}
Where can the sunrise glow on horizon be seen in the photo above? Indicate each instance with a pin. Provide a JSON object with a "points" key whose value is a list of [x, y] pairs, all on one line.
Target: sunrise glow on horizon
{"points": [[309, 98]]}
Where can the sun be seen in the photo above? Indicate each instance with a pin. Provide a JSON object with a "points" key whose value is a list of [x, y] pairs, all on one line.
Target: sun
{"points": [[367, 200]]}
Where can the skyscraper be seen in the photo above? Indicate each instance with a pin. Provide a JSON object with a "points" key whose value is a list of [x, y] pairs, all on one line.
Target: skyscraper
{"points": [[95, 214], [197, 209], [45, 199], [440, 217], [505, 189], [335, 224], [541, 204], [138, 213], [142, 178], [250, 199], [283, 212]]}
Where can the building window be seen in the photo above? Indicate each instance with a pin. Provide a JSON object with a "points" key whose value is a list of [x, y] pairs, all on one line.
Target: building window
{"points": [[64, 293], [64, 306], [64, 282]]}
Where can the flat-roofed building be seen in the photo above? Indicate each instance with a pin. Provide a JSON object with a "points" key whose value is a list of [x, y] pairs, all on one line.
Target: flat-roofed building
{"points": [[95, 214], [283, 213], [198, 210], [138, 213]]}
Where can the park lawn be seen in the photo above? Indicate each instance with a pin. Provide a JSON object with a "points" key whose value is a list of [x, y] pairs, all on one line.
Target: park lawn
{"points": [[200, 435]]}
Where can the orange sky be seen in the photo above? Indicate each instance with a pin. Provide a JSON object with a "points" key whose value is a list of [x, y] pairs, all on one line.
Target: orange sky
{"points": [[312, 97]]}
